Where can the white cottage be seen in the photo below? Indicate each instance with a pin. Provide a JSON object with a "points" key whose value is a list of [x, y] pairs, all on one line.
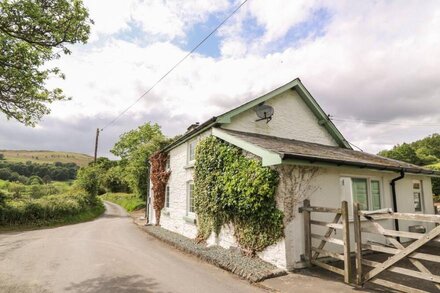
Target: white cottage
{"points": [[287, 129]]}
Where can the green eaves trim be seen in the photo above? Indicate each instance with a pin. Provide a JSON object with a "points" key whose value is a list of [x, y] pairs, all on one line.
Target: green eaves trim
{"points": [[294, 84], [306, 97], [268, 158], [321, 115]]}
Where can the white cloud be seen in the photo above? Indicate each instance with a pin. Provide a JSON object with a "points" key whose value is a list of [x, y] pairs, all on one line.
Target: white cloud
{"points": [[376, 60]]}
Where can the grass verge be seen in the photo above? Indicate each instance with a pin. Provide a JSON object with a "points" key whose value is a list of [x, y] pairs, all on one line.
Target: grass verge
{"points": [[129, 202]]}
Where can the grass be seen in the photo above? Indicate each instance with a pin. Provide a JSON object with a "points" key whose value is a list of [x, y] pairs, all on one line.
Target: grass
{"points": [[46, 157], [129, 202], [85, 216]]}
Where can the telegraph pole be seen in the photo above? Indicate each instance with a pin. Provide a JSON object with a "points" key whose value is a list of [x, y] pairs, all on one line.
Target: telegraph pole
{"points": [[96, 143]]}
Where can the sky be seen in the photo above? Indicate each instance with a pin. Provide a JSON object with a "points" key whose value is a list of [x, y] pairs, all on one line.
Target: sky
{"points": [[363, 61]]}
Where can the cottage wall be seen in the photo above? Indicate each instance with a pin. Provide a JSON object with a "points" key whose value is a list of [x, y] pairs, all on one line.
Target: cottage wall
{"points": [[292, 119], [329, 195]]}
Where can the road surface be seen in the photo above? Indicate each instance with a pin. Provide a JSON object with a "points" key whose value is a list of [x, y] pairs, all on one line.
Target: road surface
{"points": [[109, 254]]}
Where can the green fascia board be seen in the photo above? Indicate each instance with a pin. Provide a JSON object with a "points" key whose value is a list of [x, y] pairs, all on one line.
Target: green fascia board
{"points": [[268, 158], [301, 162], [297, 85], [226, 117]]}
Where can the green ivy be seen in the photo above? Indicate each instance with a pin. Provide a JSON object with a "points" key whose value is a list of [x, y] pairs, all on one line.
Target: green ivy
{"points": [[232, 188]]}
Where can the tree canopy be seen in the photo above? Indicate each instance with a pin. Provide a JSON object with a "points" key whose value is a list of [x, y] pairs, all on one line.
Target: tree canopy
{"points": [[33, 32], [424, 152], [421, 152], [135, 148]]}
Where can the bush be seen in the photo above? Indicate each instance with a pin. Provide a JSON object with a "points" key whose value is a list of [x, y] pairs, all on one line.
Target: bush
{"points": [[34, 180], [88, 179], [45, 209]]}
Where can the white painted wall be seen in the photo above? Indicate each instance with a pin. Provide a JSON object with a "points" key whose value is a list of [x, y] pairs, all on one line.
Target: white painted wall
{"points": [[292, 119], [175, 218], [329, 195]]}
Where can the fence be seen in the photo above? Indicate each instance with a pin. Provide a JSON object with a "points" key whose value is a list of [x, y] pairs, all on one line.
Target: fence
{"points": [[370, 222]]}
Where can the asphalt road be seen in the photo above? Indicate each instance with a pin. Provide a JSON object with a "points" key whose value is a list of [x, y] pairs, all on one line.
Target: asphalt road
{"points": [[109, 254]]}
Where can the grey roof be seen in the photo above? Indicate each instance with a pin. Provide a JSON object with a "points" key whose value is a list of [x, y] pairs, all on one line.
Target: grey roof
{"points": [[314, 152]]}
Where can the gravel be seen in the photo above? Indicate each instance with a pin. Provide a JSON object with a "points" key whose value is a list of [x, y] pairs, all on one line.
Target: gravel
{"points": [[250, 268]]}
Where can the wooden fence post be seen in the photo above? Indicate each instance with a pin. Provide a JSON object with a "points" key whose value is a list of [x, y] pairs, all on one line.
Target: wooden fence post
{"points": [[346, 239], [307, 233], [358, 241]]}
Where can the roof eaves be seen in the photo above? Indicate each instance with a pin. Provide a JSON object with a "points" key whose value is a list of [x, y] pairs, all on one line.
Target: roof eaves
{"points": [[202, 127], [362, 165]]}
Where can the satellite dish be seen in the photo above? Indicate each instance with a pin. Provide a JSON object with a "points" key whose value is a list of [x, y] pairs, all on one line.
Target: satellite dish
{"points": [[264, 112]]}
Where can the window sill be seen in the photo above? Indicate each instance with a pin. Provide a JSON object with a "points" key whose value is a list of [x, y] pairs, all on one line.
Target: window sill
{"points": [[189, 165], [190, 219]]}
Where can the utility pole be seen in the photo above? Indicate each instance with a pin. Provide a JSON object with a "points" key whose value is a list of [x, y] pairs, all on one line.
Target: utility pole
{"points": [[96, 143]]}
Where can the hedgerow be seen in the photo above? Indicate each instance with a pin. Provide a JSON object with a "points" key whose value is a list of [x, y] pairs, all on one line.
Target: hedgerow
{"points": [[28, 211], [231, 188]]}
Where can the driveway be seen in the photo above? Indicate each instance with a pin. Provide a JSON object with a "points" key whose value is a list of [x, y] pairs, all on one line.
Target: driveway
{"points": [[109, 254]]}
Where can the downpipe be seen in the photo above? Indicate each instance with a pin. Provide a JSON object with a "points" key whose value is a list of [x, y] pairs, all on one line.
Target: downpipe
{"points": [[393, 191]]}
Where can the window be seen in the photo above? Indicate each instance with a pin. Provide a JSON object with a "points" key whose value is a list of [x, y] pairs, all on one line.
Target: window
{"points": [[360, 192], [168, 163], [192, 150], [367, 193], [375, 194], [190, 203], [167, 196], [417, 192]]}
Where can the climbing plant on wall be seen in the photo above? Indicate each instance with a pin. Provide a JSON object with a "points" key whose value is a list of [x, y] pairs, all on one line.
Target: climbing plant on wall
{"points": [[159, 178], [231, 188]]}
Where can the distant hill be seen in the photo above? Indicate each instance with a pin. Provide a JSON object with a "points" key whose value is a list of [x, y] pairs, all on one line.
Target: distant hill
{"points": [[46, 157]]}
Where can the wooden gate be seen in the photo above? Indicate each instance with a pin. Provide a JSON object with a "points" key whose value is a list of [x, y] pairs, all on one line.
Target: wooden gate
{"points": [[340, 222], [367, 222]]}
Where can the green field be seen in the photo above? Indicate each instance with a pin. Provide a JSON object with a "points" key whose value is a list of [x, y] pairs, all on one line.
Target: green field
{"points": [[128, 201], [46, 157]]}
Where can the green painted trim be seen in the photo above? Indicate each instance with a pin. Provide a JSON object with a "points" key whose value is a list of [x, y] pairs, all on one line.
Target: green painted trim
{"points": [[308, 99], [296, 85], [324, 165], [321, 115], [184, 139], [268, 158], [226, 117]]}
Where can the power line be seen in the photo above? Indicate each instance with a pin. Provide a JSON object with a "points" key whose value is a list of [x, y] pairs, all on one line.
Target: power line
{"points": [[408, 123], [175, 65]]}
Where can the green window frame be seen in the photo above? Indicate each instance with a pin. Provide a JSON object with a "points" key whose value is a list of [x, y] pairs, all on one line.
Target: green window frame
{"points": [[367, 192]]}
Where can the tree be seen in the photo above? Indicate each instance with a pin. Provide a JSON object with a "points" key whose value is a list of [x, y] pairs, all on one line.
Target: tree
{"points": [[404, 152], [30, 32], [135, 148], [88, 179]]}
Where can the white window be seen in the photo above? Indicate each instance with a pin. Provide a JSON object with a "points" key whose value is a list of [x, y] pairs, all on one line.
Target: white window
{"points": [[367, 193], [190, 198], [167, 196], [418, 196], [192, 151]]}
